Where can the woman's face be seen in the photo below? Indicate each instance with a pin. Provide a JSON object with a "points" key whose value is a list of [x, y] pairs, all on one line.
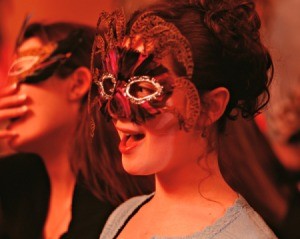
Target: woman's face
{"points": [[147, 91], [160, 144], [50, 114]]}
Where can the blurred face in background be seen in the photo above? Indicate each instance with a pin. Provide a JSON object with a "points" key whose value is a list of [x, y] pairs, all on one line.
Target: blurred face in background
{"points": [[51, 115]]}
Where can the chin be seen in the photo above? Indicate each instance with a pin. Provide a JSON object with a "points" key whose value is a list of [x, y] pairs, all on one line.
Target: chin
{"points": [[136, 167], [131, 169], [13, 143], [20, 145]]}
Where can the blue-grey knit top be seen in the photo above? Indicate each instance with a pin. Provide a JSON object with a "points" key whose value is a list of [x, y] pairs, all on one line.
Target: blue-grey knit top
{"points": [[240, 221]]}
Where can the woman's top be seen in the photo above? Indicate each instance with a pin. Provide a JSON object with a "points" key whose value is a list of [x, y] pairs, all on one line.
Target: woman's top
{"points": [[24, 199], [239, 221]]}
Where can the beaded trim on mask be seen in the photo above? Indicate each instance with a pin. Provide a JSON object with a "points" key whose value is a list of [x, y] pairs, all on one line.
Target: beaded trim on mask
{"points": [[36, 55]]}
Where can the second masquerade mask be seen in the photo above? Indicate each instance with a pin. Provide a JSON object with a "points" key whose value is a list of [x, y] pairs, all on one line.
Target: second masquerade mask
{"points": [[38, 64]]}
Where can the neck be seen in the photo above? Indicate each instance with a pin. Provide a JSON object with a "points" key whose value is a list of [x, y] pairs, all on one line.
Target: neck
{"points": [[56, 158], [62, 183], [198, 181], [59, 169]]}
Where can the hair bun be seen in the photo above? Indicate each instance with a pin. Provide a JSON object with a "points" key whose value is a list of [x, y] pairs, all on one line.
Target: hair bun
{"points": [[235, 23]]}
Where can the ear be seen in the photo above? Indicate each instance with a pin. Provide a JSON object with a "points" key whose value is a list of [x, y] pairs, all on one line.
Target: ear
{"points": [[80, 81], [214, 105]]}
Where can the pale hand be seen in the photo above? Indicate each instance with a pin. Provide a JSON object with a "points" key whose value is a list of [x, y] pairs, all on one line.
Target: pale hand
{"points": [[12, 105]]}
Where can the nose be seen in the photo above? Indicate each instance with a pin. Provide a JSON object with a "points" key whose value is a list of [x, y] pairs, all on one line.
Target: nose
{"points": [[119, 106]]}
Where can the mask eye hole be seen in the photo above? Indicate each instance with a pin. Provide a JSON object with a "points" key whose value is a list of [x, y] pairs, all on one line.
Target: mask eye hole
{"points": [[142, 88], [22, 65], [107, 85]]}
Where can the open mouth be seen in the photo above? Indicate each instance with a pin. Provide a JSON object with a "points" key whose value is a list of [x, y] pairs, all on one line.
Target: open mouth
{"points": [[131, 138], [12, 120], [130, 141]]}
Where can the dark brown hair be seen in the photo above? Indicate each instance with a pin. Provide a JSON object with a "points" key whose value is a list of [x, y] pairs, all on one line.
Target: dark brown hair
{"points": [[227, 50], [59, 31]]}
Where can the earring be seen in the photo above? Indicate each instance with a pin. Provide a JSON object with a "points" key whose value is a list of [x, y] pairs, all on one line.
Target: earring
{"points": [[92, 127]]}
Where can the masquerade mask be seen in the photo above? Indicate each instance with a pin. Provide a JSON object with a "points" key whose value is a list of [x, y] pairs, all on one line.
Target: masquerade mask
{"points": [[38, 64], [138, 90], [133, 73]]}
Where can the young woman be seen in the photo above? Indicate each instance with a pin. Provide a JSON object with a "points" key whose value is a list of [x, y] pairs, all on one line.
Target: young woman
{"points": [[55, 194], [168, 79]]}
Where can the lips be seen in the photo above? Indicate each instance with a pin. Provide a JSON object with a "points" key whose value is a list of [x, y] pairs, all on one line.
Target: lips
{"points": [[130, 141], [15, 119]]}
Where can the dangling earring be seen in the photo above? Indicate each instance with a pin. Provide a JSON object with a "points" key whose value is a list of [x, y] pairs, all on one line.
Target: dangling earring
{"points": [[92, 127]]}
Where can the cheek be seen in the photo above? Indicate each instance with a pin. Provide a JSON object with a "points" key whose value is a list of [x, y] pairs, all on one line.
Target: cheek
{"points": [[157, 154], [46, 106], [185, 101], [185, 105], [178, 101], [177, 107], [165, 138], [44, 102], [163, 124], [169, 151]]}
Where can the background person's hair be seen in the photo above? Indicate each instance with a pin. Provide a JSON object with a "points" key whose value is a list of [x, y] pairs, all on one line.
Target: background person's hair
{"points": [[89, 156], [59, 31]]}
